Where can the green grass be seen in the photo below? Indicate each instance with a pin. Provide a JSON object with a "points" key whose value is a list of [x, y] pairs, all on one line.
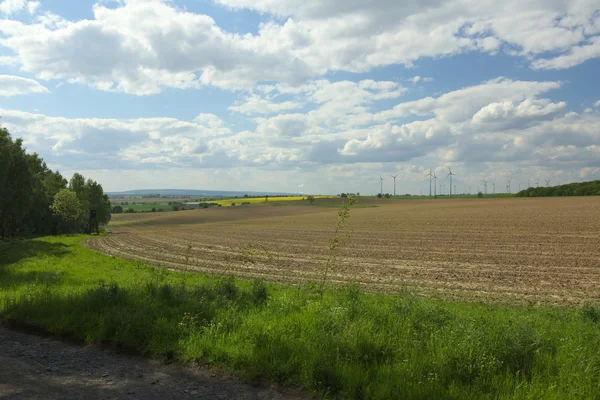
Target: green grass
{"points": [[350, 344]]}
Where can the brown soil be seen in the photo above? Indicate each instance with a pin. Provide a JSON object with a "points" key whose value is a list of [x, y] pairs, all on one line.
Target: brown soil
{"points": [[518, 250]]}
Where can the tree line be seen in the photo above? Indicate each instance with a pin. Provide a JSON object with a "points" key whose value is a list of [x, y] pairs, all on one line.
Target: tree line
{"points": [[36, 200], [591, 188]]}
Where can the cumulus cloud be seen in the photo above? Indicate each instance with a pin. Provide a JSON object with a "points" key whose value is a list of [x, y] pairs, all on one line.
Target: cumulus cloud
{"points": [[130, 47], [499, 124], [255, 104], [15, 85], [597, 104], [509, 112], [8, 7]]}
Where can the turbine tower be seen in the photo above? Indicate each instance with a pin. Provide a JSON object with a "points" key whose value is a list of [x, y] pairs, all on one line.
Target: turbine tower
{"points": [[450, 175], [430, 178], [434, 185], [494, 187], [394, 176], [485, 186], [381, 182], [547, 182], [508, 181]]}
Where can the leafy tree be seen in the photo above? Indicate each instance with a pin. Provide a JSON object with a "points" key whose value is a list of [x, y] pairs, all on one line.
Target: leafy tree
{"points": [[343, 195], [153, 209], [28, 189], [479, 195], [16, 185], [311, 199], [387, 196], [379, 195], [67, 206], [117, 210]]}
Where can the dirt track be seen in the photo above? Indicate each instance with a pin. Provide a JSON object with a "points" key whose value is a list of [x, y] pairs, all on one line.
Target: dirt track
{"points": [[534, 250], [38, 368]]}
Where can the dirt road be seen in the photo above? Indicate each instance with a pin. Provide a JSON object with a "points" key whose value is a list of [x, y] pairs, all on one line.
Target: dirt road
{"points": [[33, 367]]}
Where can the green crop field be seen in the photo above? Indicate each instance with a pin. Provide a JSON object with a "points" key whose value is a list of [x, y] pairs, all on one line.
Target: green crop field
{"points": [[347, 344]]}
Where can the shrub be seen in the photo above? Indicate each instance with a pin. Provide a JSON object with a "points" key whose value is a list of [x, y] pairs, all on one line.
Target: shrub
{"points": [[117, 210], [479, 195], [175, 208]]}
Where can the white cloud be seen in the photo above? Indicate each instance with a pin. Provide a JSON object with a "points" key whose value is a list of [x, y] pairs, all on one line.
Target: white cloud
{"points": [[417, 79], [15, 85], [211, 121], [509, 111], [8, 7], [8, 61], [499, 124], [254, 104], [597, 104], [131, 47], [576, 55]]}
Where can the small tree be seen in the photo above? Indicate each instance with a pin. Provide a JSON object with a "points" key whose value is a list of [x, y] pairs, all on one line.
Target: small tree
{"points": [[379, 195], [311, 199], [387, 196], [479, 195], [67, 206], [117, 210]]}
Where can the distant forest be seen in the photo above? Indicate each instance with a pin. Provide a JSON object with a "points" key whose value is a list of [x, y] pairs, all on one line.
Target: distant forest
{"points": [[36, 200], [591, 188]]}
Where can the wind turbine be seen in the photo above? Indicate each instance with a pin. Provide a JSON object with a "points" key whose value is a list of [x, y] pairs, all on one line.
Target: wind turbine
{"points": [[394, 176], [298, 188], [434, 185], [450, 175], [508, 181], [537, 183], [430, 178], [381, 182], [547, 182], [485, 186], [494, 187]]}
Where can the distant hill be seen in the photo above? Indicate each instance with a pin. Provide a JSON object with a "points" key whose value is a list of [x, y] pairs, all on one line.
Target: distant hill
{"points": [[591, 188], [193, 193]]}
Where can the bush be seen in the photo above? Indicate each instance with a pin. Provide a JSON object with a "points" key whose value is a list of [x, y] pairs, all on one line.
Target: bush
{"points": [[379, 195], [117, 210], [479, 195], [387, 196], [175, 208], [153, 209], [232, 204]]}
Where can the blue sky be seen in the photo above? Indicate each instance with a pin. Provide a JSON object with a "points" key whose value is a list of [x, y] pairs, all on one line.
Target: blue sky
{"points": [[269, 95]]}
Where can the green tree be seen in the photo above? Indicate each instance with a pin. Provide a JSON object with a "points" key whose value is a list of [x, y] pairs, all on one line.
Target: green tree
{"points": [[67, 206], [117, 210], [311, 199], [16, 185]]}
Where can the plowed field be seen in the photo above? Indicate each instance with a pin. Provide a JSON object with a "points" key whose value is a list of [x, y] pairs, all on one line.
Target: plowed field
{"points": [[523, 250]]}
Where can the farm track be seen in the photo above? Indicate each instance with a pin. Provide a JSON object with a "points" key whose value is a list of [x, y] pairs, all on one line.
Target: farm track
{"points": [[517, 250]]}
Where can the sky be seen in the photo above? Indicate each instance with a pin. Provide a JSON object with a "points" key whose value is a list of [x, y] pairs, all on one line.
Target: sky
{"points": [[322, 96]]}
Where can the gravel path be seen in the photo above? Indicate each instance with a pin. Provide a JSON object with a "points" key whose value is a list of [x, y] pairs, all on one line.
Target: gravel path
{"points": [[33, 367]]}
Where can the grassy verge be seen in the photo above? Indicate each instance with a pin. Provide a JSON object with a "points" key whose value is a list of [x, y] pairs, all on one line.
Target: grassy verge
{"points": [[350, 345]]}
